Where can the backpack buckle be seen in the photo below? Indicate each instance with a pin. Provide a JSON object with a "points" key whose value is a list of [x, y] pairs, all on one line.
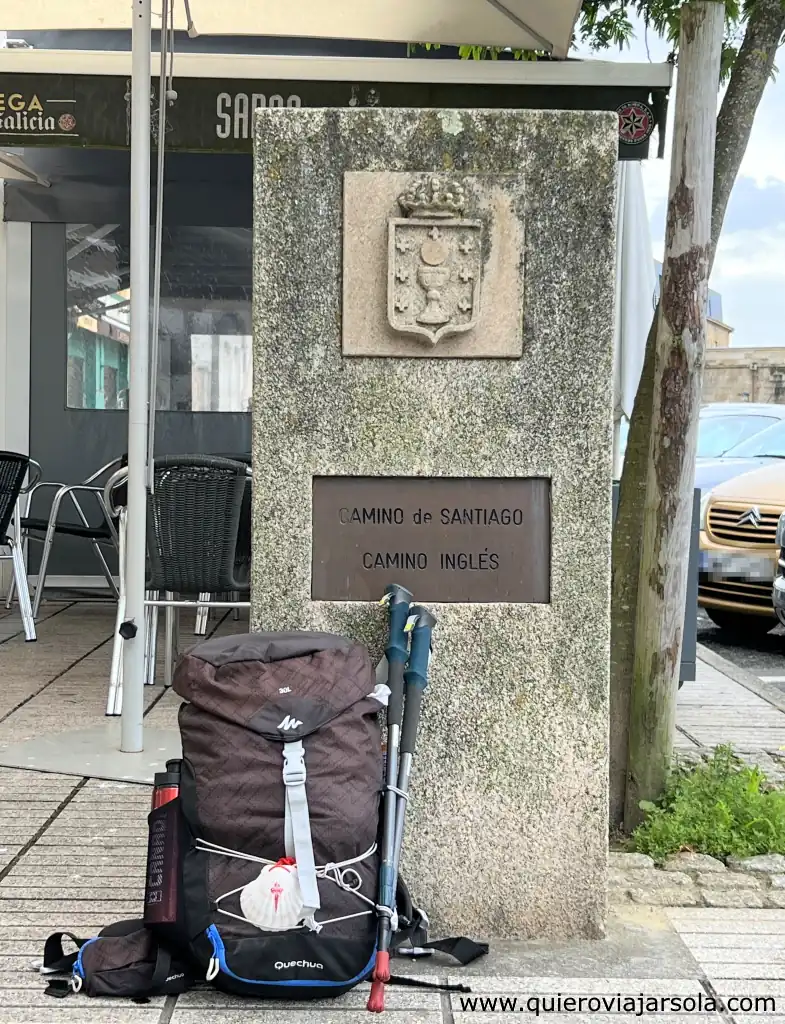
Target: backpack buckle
{"points": [[293, 766]]}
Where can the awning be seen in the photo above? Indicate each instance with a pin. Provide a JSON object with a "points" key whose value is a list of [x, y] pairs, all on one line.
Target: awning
{"points": [[521, 24]]}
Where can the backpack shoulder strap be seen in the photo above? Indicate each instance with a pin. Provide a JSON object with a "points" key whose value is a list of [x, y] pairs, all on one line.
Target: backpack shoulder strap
{"points": [[297, 827], [56, 960]]}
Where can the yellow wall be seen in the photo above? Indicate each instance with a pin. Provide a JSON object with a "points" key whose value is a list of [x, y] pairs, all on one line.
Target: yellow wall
{"points": [[744, 375], [717, 334]]}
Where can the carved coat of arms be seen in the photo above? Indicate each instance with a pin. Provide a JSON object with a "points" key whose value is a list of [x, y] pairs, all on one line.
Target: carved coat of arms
{"points": [[435, 262]]}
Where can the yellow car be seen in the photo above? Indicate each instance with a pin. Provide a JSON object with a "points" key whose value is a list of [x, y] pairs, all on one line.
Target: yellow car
{"points": [[738, 552]]}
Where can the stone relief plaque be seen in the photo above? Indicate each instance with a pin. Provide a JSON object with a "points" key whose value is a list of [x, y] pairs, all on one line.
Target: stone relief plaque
{"points": [[433, 265], [449, 539]]}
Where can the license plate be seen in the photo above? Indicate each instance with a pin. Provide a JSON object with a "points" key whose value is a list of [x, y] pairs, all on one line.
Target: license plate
{"points": [[718, 565]]}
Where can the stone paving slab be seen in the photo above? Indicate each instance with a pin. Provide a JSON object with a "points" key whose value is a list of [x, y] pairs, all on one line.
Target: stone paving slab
{"points": [[396, 999], [25, 979], [61, 910], [254, 1014], [589, 1018], [37, 999], [583, 986], [78, 1013], [727, 922], [715, 709], [112, 875]]}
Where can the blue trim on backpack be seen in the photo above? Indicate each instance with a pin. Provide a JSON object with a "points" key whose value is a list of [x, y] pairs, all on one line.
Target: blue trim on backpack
{"points": [[78, 968], [219, 952]]}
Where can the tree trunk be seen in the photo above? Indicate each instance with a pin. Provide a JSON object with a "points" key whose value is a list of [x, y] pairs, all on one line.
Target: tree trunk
{"points": [[748, 80], [678, 371], [627, 531]]}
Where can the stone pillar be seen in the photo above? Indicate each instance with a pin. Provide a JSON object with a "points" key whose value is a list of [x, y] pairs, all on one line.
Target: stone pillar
{"points": [[433, 302]]}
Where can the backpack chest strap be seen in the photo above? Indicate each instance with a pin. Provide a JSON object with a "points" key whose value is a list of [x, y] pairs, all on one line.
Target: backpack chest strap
{"points": [[297, 825]]}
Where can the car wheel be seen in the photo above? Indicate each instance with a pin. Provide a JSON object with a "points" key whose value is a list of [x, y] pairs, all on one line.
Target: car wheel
{"points": [[740, 624]]}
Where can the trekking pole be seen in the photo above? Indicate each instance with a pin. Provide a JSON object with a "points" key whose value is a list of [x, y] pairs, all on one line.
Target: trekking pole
{"points": [[420, 623], [397, 599]]}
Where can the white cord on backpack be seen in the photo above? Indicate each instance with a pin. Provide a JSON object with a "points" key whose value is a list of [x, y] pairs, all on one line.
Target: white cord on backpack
{"points": [[340, 873]]}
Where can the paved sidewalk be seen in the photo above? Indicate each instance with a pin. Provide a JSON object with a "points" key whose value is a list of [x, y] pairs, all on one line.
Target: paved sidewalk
{"points": [[717, 709], [72, 855]]}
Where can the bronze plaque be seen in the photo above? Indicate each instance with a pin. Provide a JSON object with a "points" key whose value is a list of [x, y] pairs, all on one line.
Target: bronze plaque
{"points": [[469, 540]]}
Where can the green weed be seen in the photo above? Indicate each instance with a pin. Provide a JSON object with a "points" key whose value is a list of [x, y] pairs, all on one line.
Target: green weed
{"points": [[719, 806]]}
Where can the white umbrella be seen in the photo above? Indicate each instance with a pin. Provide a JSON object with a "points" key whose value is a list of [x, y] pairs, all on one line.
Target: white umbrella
{"points": [[636, 283], [528, 24]]}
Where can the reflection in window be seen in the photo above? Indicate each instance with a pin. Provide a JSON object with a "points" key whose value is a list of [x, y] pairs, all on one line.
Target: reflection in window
{"points": [[98, 318], [205, 343]]}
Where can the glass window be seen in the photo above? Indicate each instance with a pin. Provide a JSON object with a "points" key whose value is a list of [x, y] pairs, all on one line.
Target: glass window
{"points": [[768, 443], [205, 335], [717, 434]]}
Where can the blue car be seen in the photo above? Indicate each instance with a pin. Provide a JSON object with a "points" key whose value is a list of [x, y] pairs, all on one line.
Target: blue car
{"points": [[724, 426], [759, 449]]}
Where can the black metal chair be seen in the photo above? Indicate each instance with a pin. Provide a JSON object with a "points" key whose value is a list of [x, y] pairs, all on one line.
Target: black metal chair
{"points": [[193, 526], [100, 533], [14, 468], [243, 547]]}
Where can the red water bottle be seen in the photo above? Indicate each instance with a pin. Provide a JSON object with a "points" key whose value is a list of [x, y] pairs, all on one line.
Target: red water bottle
{"points": [[162, 883], [166, 785]]}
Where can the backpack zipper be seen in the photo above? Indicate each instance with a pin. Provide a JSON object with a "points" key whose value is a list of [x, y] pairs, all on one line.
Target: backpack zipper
{"points": [[218, 963]]}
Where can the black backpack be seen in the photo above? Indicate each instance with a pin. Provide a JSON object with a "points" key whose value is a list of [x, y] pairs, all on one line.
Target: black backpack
{"points": [[282, 763]]}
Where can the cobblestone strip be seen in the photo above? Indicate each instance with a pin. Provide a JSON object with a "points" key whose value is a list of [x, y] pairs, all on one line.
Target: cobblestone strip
{"points": [[697, 880]]}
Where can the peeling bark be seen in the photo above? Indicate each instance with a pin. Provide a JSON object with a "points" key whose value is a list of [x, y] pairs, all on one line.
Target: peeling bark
{"points": [[677, 380]]}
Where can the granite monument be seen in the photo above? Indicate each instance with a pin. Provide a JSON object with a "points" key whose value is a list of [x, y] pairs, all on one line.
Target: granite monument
{"points": [[433, 311]]}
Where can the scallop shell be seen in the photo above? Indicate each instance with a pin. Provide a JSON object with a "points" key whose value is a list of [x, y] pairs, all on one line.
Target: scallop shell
{"points": [[273, 902]]}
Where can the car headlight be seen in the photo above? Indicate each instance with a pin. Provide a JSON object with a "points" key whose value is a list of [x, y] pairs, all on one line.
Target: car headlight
{"points": [[780, 541], [704, 508]]}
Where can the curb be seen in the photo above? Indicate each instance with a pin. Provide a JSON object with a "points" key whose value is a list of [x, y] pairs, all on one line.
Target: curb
{"points": [[744, 678]]}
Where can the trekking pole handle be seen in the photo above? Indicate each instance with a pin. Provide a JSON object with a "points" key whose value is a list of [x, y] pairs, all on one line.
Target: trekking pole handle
{"points": [[421, 624], [398, 599]]}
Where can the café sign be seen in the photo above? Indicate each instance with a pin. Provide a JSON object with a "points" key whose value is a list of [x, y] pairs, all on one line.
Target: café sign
{"points": [[216, 116], [25, 114], [234, 112]]}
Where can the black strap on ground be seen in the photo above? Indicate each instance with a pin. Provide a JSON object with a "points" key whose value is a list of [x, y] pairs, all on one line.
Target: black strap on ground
{"points": [[56, 961], [403, 981], [465, 951], [58, 987]]}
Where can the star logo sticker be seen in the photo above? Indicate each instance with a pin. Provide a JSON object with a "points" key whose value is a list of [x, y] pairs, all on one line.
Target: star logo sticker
{"points": [[636, 123]]}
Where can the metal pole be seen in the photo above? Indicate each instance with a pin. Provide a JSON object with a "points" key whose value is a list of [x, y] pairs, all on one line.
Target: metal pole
{"points": [[132, 730]]}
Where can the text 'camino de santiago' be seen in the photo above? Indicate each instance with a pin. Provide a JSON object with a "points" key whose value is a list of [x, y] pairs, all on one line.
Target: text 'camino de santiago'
{"points": [[483, 560]]}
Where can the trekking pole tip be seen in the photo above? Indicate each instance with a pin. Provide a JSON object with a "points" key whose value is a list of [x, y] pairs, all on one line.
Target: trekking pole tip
{"points": [[375, 1002]]}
